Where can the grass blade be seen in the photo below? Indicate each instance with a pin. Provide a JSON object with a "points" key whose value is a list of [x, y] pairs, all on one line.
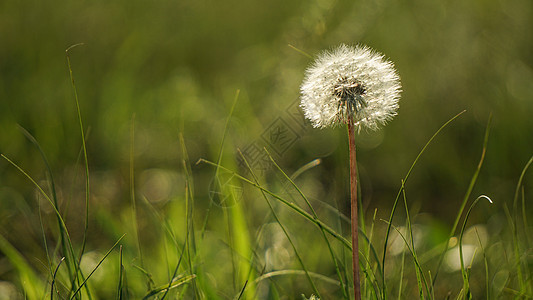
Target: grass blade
{"points": [[488, 290], [120, 276], [300, 51], [523, 286], [418, 272], [322, 278], [97, 266], [30, 281], [370, 249], [176, 282], [54, 279], [466, 287]]}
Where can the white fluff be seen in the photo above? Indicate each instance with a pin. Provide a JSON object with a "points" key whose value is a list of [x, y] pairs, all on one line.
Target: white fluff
{"points": [[350, 82]]}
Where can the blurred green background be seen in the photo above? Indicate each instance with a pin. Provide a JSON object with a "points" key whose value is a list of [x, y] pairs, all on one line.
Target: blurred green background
{"points": [[176, 66]]}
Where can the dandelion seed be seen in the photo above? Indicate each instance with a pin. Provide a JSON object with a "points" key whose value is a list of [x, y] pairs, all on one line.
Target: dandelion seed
{"points": [[350, 82]]}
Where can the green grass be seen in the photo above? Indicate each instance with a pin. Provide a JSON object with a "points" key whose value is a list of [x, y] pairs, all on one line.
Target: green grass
{"points": [[129, 182]]}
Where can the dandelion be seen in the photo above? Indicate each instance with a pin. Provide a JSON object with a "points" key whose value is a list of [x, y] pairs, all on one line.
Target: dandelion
{"points": [[350, 82], [358, 87]]}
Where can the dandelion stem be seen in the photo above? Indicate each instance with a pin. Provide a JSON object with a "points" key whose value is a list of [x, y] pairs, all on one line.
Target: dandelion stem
{"points": [[353, 204]]}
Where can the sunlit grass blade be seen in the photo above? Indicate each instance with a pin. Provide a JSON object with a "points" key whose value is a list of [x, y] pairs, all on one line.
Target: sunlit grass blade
{"points": [[320, 277], [176, 282], [96, 267], [400, 193], [29, 280], [274, 214], [306, 167], [186, 248], [432, 291], [300, 51], [241, 240]]}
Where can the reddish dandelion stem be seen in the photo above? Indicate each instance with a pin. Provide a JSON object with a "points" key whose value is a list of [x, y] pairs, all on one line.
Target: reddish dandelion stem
{"points": [[354, 216]]}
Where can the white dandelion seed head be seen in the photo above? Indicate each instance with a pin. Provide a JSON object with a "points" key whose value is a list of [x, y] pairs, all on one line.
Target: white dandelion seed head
{"points": [[350, 82]]}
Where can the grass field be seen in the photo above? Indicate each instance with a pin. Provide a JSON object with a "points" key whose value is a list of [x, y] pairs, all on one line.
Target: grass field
{"points": [[166, 155]]}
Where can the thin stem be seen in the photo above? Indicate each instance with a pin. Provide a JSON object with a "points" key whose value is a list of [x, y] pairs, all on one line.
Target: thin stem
{"points": [[354, 216]]}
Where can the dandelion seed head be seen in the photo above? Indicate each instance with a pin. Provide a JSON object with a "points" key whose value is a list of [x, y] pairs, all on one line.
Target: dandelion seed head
{"points": [[350, 82]]}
